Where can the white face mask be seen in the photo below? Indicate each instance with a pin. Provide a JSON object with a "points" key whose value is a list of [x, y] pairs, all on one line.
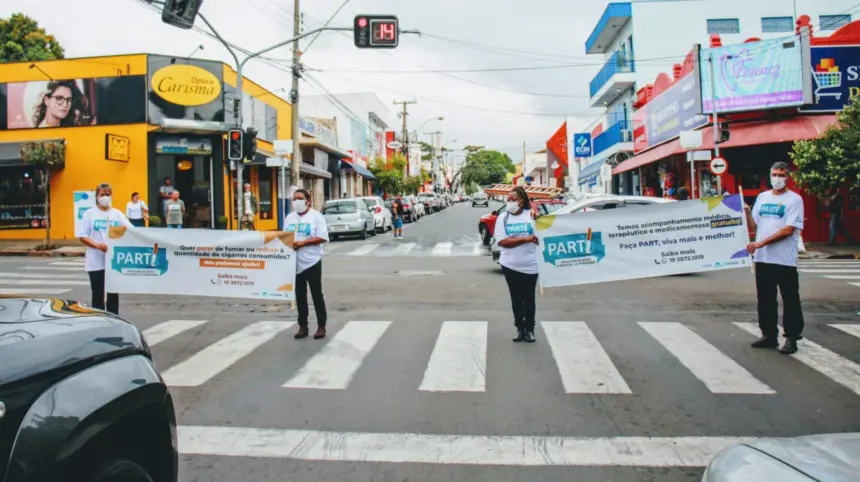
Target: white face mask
{"points": [[301, 205], [777, 182], [513, 206], [104, 201]]}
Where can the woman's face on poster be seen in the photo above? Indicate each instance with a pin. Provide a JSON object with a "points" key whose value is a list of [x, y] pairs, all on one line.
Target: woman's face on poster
{"points": [[59, 103]]}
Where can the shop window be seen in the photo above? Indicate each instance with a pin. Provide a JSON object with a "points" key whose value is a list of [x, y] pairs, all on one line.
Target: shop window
{"points": [[264, 192], [777, 24], [833, 22], [724, 25], [22, 202], [751, 181]]}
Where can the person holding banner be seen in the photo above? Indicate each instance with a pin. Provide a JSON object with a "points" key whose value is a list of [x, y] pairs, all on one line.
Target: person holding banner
{"points": [[777, 219], [311, 232], [93, 233], [515, 230]]}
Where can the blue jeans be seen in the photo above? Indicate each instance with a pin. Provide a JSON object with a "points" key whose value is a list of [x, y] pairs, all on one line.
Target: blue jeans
{"points": [[837, 227], [174, 226]]}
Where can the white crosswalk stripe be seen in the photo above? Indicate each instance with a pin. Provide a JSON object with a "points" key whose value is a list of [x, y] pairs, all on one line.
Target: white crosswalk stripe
{"points": [[467, 246], [22, 291], [834, 269], [442, 249], [458, 361], [403, 249], [363, 250]]}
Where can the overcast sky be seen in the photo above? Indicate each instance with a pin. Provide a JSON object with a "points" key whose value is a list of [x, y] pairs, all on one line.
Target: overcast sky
{"points": [[550, 32]]}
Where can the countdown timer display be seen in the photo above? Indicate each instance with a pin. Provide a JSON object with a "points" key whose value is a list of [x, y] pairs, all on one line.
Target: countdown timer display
{"points": [[376, 31]]}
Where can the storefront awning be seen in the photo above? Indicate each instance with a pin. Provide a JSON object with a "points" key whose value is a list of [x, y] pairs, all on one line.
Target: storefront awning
{"points": [[743, 134], [590, 173], [361, 170], [323, 147], [304, 168]]}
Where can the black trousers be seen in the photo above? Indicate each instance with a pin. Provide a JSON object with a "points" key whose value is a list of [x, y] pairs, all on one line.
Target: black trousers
{"points": [[522, 288], [140, 223], [310, 277], [769, 278], [97, 284]]}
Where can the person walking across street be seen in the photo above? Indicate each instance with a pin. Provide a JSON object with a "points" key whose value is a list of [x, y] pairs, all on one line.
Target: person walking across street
{"points": [[837, 226], [777, 218], [93, 232], [311, 232], [515, 230], [175, 209], [250, 207], [397, 216], [137, 211]]}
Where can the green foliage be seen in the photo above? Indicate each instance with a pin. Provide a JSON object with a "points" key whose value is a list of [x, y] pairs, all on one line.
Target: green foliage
{"points": [[470, 189], [21, 40], [412, 184], [833, 159], [45, 155], [483, 167], [389, 174], [155, 221], [426, 151]]}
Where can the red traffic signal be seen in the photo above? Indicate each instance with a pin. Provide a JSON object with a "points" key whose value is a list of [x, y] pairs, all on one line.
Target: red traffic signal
{"points": [[235, 135], [235, 150], [376, 31]]}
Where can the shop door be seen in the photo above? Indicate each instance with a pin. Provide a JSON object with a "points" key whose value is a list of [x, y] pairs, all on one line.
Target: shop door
{"points": [[193, 179]]}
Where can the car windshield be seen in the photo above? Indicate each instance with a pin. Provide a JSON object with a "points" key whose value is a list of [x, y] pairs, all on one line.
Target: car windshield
{"points": [[425, 195], [370, 202], [547, 208], [339, 207]]}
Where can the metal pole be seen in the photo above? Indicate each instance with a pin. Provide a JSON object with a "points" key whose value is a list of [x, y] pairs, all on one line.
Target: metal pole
{"points": [[296, 161], [716, 121]]}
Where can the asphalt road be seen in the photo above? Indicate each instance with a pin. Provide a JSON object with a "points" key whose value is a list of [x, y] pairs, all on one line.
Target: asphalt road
{"points": [[418, 379]]}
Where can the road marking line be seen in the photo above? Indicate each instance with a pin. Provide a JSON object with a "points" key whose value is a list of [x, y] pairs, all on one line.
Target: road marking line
{"points": [[839, 369], [717, 371], [534, 451], [844, 276], [163, 331], [459, 359], [214, 359], [24, 291], [853, 330], [855, 284], [582, 363], [403, 249], [442, 249], [45, 282], [830, 266], [55, 268], [363, 250], [67, 263], [335, 365], [48, 276], [829, 271]]}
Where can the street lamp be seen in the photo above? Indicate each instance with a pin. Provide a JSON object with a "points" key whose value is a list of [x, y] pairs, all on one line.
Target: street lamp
{"points": [[440, 118]]}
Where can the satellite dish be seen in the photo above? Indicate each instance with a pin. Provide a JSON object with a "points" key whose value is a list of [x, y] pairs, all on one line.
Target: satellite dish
{"points": [[618, 158]]}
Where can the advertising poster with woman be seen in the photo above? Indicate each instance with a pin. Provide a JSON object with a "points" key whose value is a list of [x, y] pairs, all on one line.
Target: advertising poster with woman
{"points": [[55, 103]]}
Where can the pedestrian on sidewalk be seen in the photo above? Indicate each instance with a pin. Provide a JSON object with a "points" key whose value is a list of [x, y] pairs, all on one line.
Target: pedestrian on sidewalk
{"points": [[397, 216], [515, 230], [837, 226], [311, 232], [251, 207], [137, 211], [777, 218], [93, 233], [175, 209]]}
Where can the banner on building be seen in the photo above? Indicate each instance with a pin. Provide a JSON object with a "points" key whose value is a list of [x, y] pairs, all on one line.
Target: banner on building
{"points": [[679, 237], [836, 77], [667, 115], [225, 264]]}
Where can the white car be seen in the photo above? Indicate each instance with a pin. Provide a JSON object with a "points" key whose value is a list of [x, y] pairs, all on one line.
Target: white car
{"points": [[381, 214], [480, 199]]}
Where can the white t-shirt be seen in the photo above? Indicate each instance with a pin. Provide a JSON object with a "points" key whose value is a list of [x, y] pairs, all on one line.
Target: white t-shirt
{"points": [[772, 213], [135, 210], [249, 209], [522, 258], [309, 225], [94, 225]]}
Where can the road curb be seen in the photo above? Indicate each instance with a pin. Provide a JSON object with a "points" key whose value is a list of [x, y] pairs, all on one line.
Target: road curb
{"points": [[818, 255], [44, 254]]}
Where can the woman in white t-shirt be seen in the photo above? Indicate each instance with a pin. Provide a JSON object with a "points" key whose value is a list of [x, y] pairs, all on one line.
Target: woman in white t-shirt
{"points": [[137, 211], [515, 230], [311, 232], [93, 233]]}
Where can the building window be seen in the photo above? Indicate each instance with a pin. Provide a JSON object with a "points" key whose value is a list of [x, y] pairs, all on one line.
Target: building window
{"points": [[777, 24], [833, 22], [22, 202], [724, 25]]}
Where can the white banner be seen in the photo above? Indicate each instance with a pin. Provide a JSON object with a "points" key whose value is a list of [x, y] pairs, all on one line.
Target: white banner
{"points": [[643, 241], [201, 262], [83, 200]]}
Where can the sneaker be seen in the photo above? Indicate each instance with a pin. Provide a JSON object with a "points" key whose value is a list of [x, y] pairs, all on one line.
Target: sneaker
{"points": [[521, 335], [765, 342], [789, 347], [530, 336]]}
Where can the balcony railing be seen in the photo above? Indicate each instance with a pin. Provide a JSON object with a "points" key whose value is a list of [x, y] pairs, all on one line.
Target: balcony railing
{"points": [[616, 64], [617, 133]]}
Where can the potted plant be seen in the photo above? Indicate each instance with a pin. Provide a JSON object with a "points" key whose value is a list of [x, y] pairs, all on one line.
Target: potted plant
{"points": [[48, 156], [154, 221], [222, 222]]}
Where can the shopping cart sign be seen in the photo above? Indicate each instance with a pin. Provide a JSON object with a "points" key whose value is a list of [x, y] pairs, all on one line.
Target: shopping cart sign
{"points": [[836, 77]]}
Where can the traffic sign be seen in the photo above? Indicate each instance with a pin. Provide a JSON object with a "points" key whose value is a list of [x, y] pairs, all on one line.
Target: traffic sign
{"points": [[394, 145], [718, 166], [376, 31]]}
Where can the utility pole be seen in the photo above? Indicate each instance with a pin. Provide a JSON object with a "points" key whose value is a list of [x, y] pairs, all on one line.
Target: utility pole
{"points": [[436, 138], [715, 122], [405, 133], [296, 161]]}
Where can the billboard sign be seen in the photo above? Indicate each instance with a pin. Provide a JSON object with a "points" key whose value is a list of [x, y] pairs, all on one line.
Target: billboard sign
{"points": [[667, 115], [582, 144], [755, 76], [835, 76], [187, 89]]}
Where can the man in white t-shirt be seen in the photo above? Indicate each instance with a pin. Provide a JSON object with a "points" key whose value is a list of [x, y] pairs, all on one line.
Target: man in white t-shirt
{"points": [[777, 219], [311, 232]]}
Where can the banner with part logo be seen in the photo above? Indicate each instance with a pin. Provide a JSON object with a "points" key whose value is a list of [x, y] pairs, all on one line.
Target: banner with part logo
{"points": [[643, 241], [197, 262]]}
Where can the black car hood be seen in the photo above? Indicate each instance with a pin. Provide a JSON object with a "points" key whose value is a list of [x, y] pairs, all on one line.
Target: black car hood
{"points": [[38, 336]]}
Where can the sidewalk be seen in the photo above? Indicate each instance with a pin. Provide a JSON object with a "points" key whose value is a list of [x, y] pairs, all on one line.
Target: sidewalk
{"points": [[822, 251], [21, 247]]}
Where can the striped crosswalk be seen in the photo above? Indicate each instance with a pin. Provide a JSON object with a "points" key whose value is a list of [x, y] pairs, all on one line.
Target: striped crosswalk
{"points": [[458, 361], [43, 278], [465, 246], [847, 270]]}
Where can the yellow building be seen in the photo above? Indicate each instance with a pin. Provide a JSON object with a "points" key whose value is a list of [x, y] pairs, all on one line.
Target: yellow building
{"points": [[132, 121]]}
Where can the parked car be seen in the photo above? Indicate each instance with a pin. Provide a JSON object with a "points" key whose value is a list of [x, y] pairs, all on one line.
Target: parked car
{"points": [[431, 202], [80, 397], [348, 217], [381, 215], [417, 206], [481, 199]]}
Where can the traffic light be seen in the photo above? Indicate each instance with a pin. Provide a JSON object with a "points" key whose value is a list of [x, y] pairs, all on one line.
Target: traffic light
{"points": [[250, 144], [180, 13], [725, 135], [376, 31], [234, 145]]}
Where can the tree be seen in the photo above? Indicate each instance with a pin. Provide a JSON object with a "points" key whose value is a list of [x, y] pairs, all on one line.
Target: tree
{"points": [[833, 159], [389, 174], [48, 156], [483, 167], [22, 40], [412, 184]]}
